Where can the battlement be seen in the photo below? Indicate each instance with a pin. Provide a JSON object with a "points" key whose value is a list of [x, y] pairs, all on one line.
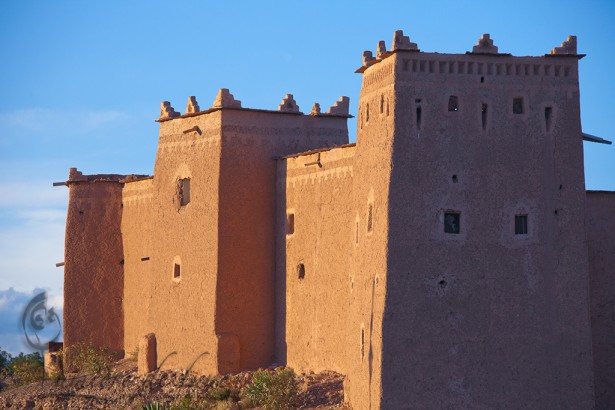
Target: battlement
{"points": [[483, 60], [226, 100]]}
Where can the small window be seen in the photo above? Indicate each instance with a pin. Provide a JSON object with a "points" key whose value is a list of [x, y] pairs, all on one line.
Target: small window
{"points": [[177, 271], [453, 103], [301, 271], [370, 218], [183, 191], [452, 222], [362, 342], [484, 115], [290, 224], [381, 103], [356, 234], [366, 112], [419, 113], [518, 106], [520, 224]]}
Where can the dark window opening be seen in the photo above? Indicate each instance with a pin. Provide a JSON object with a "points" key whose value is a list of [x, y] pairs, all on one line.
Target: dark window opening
{"points": [[362, 343], [370, 222], [301, 271], [452, 221], [482, 79], [520, 224], [518, 106], [290, 224], [548, 116], [381, 103], [183, 191], [356, 234], [455, 179], [419, 113], [366, 112], [177, 271], [484, 116], [453, 103]]}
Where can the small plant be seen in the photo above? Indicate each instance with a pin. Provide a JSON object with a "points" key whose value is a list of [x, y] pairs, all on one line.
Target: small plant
{"points": [[153, 406], [219, 393], [94, 360], [275, 390], [134, 355]]}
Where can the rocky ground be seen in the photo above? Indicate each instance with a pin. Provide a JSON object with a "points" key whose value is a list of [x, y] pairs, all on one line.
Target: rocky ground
{"points": [[125, 389]]}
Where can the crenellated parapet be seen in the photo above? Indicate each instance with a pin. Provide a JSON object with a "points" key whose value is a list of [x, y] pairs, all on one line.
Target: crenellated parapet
{"points": [[288, 104], [193, 106], [569, 47], [225, 99], [485, 45], [167, 112]]}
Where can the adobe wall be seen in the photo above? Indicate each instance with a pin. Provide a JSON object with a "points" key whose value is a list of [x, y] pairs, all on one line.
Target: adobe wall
{"points": [[600, 225], [486, 318], [251, 142], [182, 310], [371, 177], [93, 271], [137, 200], [315, 298]]}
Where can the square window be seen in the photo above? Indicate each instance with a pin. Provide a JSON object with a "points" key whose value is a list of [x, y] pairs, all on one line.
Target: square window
{"points": [[520, 224], [452, 221]]}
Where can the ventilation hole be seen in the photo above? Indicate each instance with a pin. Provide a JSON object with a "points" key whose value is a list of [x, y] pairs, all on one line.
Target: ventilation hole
{"points": [[80, 212], [548, 115], [482, 79], [561, 186], [484, 116], [455, 178], [518, 105], [381, 103], [301, 271], [290, 224], [356, 234], [442, 283], [177, 271], [453, 103], [419, 113], [370, 222], [556, 212], [362, 343], [366, 112]]}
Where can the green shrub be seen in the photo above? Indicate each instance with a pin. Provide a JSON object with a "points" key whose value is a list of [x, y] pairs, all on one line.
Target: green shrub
{"points": [[26, 368], [93, 360], [275, 390], [219, 393]]}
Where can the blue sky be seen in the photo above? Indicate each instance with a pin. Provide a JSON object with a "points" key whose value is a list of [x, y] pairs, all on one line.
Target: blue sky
{"points": [[81, 83]]}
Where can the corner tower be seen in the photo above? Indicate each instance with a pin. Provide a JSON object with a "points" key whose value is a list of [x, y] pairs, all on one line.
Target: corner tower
{"points": [[472, 168]]}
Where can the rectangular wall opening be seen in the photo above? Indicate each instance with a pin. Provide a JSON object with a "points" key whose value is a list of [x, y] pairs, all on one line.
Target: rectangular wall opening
{"points": [[177, 271], [452, 222], [453, 103], [518, 105], [520, 224], [290, 224]]}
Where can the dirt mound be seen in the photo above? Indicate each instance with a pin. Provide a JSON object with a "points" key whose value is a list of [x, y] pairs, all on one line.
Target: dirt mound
{"points": [[126, 389]]}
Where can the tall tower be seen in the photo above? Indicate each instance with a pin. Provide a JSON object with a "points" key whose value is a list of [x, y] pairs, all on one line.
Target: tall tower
{"points": [[471, 168]]}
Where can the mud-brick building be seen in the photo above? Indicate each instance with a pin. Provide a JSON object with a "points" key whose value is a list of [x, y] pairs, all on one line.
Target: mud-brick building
{"points": [[451, 258]]}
